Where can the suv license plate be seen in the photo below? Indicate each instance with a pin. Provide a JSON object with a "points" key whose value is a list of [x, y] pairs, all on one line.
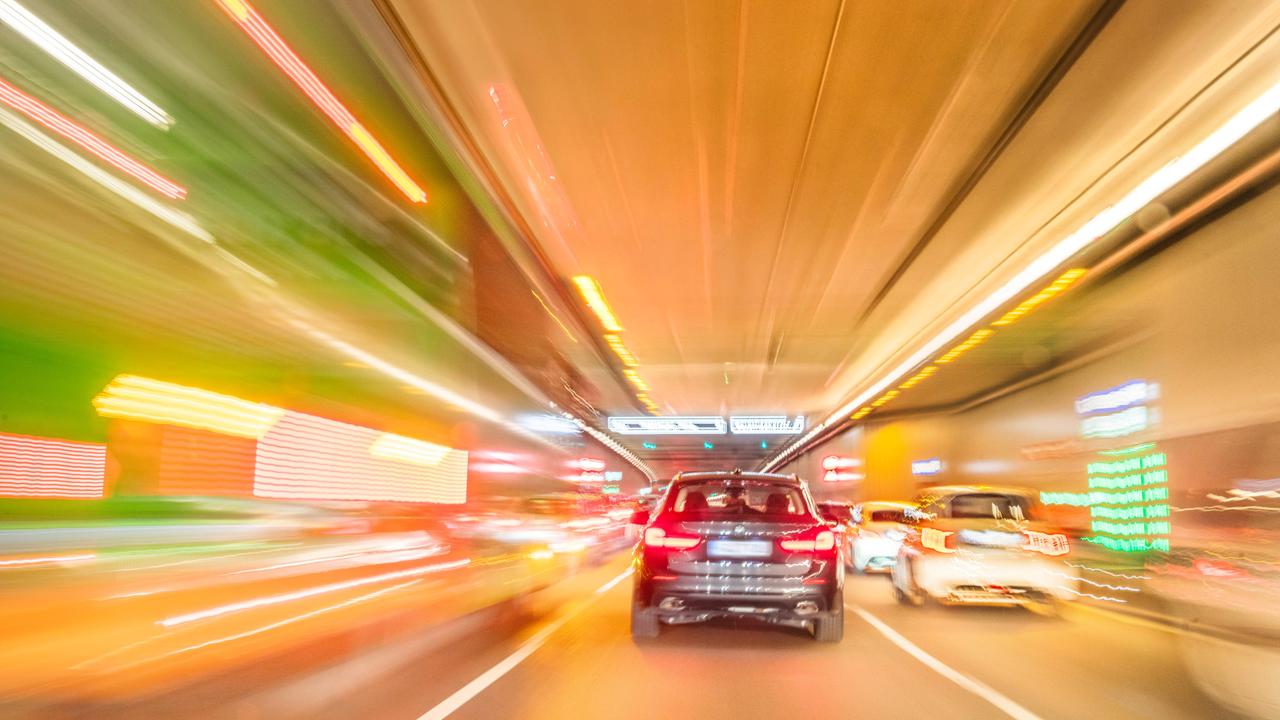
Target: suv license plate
{"points": [[739, 548]]}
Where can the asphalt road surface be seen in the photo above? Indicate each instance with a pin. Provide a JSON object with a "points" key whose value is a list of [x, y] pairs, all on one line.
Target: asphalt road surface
{"points": [[571, 656]]}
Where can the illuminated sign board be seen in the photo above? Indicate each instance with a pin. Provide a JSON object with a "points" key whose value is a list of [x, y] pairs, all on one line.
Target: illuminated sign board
{"points": [[550, 424], [1134, 392], [1118, 424], [708, 425], [932, 466], [674, 425], [766, 425], [613, 476]]}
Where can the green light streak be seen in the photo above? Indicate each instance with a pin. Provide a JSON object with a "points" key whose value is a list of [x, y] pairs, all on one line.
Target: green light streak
{"points": [[1106, 527], [1155, 477], [1130, 545], [1129, 513], [1154, 460]]}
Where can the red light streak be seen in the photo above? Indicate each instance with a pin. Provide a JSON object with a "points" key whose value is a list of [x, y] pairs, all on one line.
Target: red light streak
{"points": [[287, 60], [47, 467], [836, 462], [60, 124]]}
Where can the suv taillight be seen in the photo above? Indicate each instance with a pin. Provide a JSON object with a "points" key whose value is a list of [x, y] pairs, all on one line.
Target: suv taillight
{"points": [[814, 540], [1051, 544], [656, 537], [943, 541]]}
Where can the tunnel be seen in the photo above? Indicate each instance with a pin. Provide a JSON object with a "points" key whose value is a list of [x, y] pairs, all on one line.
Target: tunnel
{"points": [[538, 359]]}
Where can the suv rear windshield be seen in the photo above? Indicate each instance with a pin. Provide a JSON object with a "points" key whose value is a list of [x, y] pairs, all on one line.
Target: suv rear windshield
{"points": [[732, 498], [990, 505], [838, 513]]}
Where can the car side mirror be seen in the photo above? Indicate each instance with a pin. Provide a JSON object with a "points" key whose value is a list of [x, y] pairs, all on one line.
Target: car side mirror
{"points": [[640, 517]]}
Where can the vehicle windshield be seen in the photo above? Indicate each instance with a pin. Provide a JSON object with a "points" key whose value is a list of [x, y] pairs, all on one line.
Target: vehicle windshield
{"points": [[837, 513], [886, 516], [733, 498], [990, 505]]}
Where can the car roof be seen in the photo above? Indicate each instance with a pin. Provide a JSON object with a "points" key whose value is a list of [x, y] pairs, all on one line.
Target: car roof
{"points": [[886, 505], [735, 475]]}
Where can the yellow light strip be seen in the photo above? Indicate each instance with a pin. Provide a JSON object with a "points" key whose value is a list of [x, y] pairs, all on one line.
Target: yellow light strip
{"points": [[1064, 281], [594, 297], [388, 166], [619, 349], [885, 398], [399, 447], [635, 379], [137, 398], [973, 341], [919, 377]]}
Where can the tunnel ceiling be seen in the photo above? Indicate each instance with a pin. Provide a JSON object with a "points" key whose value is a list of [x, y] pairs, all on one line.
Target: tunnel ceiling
{"points": [[742, 180], [775, 198]]}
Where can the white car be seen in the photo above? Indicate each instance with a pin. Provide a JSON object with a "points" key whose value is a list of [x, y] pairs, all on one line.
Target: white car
{"points": [[980, 545], [877, 534]]}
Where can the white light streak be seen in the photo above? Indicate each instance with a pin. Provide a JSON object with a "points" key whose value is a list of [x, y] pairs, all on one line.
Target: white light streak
{"points": [[177, 219], [309, 592], [64, 51]]}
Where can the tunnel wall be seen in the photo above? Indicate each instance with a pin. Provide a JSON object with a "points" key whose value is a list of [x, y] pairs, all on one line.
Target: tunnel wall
{"points": [[1204, 326]]}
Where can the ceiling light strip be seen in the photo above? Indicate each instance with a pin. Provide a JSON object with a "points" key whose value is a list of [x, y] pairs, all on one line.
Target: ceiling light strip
{"points": [[287, 60], [1239, 125], [594, 297], [64, 51], [62, 125]]}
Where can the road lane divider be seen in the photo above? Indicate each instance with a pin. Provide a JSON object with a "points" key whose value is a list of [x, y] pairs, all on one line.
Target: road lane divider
{"points": [[977, 687], [465, 694]]}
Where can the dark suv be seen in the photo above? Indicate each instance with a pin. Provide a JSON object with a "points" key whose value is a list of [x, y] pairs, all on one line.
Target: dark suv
{"points": [[738, 545]]}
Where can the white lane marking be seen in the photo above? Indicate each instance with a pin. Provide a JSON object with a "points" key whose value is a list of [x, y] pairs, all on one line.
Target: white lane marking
{"points": [[610, 585], [982, 690], [464, 695]]}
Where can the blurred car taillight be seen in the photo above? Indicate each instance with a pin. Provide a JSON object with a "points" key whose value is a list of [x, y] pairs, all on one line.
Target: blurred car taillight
{"points": [[813, 540], [657, 537], [1052, 544], [943, 541]]}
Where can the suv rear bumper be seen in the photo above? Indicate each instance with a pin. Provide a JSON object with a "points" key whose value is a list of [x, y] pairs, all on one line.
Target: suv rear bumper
{"points": [[795, 609], [792, 600]]}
